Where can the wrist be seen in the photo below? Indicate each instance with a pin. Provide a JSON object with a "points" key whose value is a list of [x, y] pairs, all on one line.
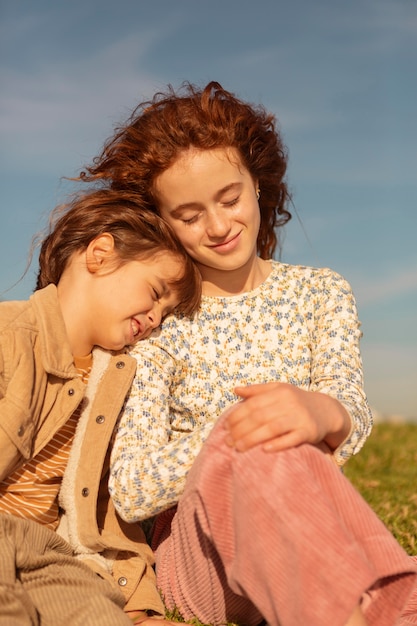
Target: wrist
{"points": [[340, 424]]}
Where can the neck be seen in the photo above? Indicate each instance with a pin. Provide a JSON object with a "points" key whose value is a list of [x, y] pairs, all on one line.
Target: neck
{"points": [[75, 321], [218, 282]]}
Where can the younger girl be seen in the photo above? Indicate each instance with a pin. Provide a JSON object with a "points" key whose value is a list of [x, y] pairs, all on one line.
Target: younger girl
{"points": [[109, 272]]}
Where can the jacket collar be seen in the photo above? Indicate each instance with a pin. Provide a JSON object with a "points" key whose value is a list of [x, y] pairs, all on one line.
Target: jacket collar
{"points": [[55, 349]]}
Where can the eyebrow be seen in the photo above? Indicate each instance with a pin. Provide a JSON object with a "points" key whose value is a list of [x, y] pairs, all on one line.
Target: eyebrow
{"points": [[164, 286]]}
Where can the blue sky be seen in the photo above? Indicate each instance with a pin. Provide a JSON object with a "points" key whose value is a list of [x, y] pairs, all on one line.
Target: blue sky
{"points": [[341, 78]]}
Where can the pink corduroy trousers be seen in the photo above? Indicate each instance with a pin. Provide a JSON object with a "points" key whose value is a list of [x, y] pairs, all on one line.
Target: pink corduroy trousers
{"points": [[281, 537]]}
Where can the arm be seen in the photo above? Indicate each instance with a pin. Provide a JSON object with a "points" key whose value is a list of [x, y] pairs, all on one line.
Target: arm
{"points": [[10, 456], [334, 410], [155, 443], [337, 368], [12, 417]]}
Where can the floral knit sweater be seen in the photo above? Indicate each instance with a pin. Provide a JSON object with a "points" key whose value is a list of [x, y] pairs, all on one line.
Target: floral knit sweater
{"points": [[300, 326]]}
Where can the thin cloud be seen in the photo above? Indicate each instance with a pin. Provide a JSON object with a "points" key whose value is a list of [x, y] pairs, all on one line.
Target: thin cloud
{"points": [[71, 104], [390, 374], [376, 291]]}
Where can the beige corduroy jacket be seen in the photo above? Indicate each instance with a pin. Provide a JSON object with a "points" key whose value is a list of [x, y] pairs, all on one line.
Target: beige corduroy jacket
{"points": [[39, 391]]}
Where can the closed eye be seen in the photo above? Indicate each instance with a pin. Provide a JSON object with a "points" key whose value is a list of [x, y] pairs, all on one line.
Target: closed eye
{"points": [[232, 202], [190, 220]]}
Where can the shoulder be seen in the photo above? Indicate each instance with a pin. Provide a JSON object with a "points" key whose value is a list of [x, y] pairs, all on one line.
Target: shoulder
{"points": [[317, 279], [18, 333], [168, 343], [27, 313], [13, 312], [37, 325]]}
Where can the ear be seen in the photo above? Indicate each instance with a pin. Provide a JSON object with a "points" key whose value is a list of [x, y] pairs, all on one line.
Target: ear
{"points": [[99, 251]]}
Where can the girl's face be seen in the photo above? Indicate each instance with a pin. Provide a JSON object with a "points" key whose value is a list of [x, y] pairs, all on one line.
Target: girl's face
{"points": [[126, 304], [209, 198]]}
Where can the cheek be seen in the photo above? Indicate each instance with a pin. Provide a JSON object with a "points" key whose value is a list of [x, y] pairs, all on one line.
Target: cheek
{"points": [[189, 236], [253, 216], [176, 225]]}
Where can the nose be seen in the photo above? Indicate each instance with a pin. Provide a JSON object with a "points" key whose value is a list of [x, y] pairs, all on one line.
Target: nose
{"points": [[155, 316], [217, 224]]}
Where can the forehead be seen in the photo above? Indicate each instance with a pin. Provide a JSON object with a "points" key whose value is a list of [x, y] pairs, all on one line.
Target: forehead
{"points": [[168, 264], [198, 168], [197, 158]]}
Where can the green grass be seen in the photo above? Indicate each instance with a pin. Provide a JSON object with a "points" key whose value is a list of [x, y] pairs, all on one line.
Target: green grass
{"points": [[175, 616], [385, 473]]}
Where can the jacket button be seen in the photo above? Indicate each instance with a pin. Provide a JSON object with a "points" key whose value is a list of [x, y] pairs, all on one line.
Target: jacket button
{"points": [[85, 492], [120, 365], [100, 419], [71, 392], [122, 581], [21, 431]]}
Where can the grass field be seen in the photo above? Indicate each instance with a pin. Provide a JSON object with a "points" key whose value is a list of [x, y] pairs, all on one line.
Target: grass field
{"points": [[385, 473]]}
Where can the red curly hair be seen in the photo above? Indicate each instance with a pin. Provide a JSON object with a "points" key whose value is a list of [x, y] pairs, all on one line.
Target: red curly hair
{"points": [[158, 131]]}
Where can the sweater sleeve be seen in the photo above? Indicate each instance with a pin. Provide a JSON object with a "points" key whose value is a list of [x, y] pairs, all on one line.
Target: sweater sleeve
{"points": [[336, 360], [156, 443]]}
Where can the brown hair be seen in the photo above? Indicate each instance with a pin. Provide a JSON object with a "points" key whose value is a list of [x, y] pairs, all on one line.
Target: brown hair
{"points": [[138, 234], [159, 130]]}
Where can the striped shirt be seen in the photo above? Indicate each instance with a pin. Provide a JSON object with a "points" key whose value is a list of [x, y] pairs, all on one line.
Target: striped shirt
{"points": [[31, 491]]}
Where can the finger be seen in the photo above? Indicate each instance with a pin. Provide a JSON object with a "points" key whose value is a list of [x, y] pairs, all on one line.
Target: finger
{"points": [[289, 440], [262, 434], [261, 408], [260, 398], [248, 417], [257, 389]]}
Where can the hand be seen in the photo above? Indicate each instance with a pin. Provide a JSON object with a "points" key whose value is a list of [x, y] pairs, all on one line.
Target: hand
{"points": [[280, 416], [141, 617], [155, 621]]}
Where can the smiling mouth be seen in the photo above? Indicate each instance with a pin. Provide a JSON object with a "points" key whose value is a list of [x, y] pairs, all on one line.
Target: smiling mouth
{"points": [[136, 327]]}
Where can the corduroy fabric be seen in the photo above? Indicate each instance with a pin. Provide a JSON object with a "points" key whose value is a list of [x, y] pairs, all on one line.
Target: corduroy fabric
{"points": [[42, 584], [409, 615], [280, 536]]}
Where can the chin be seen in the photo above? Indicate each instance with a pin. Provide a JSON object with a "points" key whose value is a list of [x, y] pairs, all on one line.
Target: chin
{"points": [[120, 346]]}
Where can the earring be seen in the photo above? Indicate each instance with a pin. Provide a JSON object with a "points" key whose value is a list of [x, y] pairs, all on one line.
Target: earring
{"points": [[258, 193]]}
